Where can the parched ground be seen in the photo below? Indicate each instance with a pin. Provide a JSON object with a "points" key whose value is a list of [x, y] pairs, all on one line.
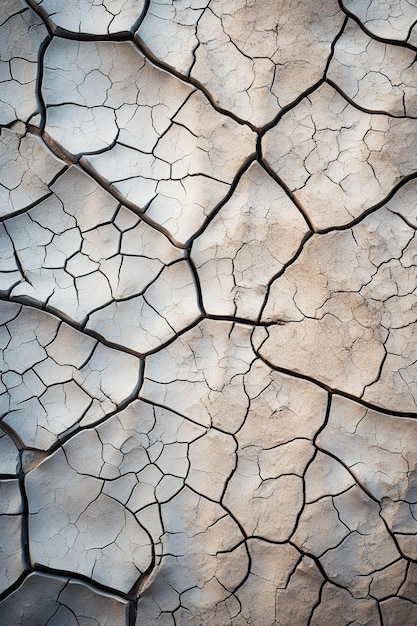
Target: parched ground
{"points": [[208, 313]]}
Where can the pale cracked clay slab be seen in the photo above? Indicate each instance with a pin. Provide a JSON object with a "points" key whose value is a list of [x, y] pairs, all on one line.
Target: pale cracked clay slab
{"points": [[208, 309]]}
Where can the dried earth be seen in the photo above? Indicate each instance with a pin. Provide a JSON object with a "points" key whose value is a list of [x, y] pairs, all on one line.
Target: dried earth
{"points": [[208, 309]]}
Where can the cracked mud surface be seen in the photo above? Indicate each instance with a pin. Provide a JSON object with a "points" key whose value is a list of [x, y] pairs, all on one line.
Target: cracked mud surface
{"points": [[208, 313]]}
